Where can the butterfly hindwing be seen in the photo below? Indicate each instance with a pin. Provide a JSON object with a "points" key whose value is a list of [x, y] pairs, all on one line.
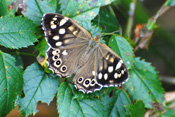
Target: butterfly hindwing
{"points": [[104, 69], [112, 71], [85, 78], [60, 62]]}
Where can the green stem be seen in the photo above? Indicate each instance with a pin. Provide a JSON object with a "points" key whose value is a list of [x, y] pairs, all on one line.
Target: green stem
{"points": [[130, 19], [23, 53], [161, 11], [27, 54], [113, 13]]}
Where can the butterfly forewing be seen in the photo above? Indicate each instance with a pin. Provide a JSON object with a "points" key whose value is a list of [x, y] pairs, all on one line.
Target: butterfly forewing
{"points": [[67, 40], [73, 50], [62, 32]]}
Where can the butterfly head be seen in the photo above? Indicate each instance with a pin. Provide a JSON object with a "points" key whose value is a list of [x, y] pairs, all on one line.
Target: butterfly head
{"points": [[97, 38]]}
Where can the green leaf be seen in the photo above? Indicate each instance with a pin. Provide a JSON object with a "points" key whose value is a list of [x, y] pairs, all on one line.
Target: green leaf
{"points": [[144, 84], [104, 91], [38, 86], [170, 2], [18, 61], [67, 106], [108, 21], [7, 7], [42, 47], [17, 32], [95, 30], [169, 113], [36, 9], [115, 106], [133, 109], [11, 82], [121, 46], [82, 11]]}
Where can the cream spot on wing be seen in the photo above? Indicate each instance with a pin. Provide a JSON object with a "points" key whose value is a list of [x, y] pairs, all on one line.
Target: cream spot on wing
{"points": [[54, 18], [107, 57], [119, 64], [51, 22], [55, 52], [64, 52], [116, 75], [63, 21], [58, 43], [75, 32], [53, 26], [110, 69], [62, 31], [111, 59], [101, 68], [71, 28], [100, 76], [93, 73], [67, 41], [122, 71], [56, 37], [111, 81], [119, 75], [49, 32], [105, 76]]}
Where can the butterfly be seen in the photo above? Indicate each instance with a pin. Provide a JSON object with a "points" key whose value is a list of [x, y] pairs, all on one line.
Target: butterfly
{"points": [[74, 51]]}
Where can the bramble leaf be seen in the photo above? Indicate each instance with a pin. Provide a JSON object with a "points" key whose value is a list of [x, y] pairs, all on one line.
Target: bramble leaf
{"points": [[133, 109], [83, 11], [38, 86], [36, 8], [107, 21], [17, 32], [7, 7], [11, 82], [115, 105], [68, 106], [144, 84]]}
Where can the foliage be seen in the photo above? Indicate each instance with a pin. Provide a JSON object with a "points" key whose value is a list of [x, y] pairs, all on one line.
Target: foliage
{"points": [[143, 89]]}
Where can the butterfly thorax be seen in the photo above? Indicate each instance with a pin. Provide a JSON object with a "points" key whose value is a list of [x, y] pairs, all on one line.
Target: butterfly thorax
{"points": [[90, 49]]}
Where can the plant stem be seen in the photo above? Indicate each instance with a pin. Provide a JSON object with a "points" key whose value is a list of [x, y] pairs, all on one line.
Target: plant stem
{"points": [[161, 11], [131, 18], [27, 54], [23, 53]]}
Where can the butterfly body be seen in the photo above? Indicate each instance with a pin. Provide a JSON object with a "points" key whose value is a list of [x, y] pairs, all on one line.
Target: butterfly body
{"points": [[73, 50]]}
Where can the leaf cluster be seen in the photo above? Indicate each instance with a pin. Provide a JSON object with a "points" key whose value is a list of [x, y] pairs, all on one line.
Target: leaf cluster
{"points": [[25, 86]]}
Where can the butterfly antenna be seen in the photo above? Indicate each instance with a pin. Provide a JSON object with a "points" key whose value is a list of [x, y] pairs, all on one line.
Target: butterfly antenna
{"points": [[98, 19]]}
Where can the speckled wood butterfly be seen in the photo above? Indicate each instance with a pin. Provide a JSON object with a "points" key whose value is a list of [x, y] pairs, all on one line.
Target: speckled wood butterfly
{"points": [[74, 51]]}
